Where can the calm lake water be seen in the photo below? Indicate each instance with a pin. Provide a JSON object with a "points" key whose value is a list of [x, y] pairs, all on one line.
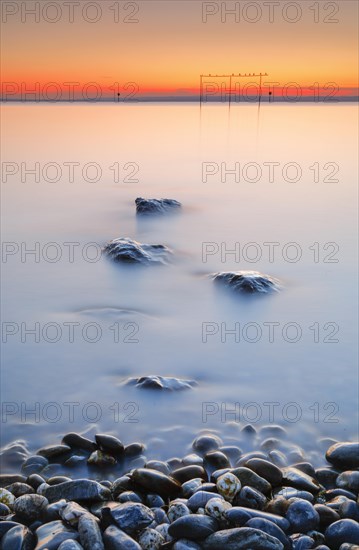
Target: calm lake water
{"points": [[99, 323]]}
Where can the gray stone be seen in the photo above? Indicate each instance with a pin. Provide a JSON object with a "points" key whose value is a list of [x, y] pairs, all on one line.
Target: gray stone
{"points": [[80, 490], [90, 534], [129, 516], [30, 507]]}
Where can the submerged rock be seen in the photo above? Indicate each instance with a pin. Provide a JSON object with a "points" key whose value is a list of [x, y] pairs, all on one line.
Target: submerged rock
{"points": [[154, 382], [124, 250], [248, 282], [155, 206]]}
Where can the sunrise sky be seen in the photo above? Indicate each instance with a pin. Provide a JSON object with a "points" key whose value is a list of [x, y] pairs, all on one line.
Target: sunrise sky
{"points": [[174, 41]]}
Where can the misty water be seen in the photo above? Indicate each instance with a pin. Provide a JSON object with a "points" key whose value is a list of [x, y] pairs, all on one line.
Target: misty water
{"points": [[172, 320]]}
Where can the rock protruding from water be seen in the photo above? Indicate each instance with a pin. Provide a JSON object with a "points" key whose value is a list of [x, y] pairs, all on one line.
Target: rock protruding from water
{"points": [[248, 282], [127, 251], [154, 382], [155, 206]]}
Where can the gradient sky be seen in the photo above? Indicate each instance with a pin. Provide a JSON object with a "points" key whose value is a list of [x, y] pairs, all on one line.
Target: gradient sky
{"points": [[170, 45]]}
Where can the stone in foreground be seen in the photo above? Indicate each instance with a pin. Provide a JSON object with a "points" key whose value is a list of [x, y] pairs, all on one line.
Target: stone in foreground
{"points": [[245, 538], [155, 206], [127, 251], [247, 282]]}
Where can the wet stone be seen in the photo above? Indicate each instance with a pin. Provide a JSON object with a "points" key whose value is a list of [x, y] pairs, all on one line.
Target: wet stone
{"points": [[34, 465], [54, 451], [250, 498], [70, 545], [30, 507], [19, 489], [339, 532], [78, 490], [71, 513], [134, 449], [228, 485], [9, 479], [115, 539], [349, 480], [99, 458], [327, 477], [110, 444], [302, 542], [215, 460], [186, 473], [200, 499], [159, 466], [156, 482], [185, 544], [291, 492], [232, 452], [245, 538], [58, 479], [51, 535], [18, 537], [155, 206], [250, 478], [193, 527], [177, 510], [191, 486], [129, 516], [217, 508], [271, 529], [205, 443], [349, 510], [239, 515], [302, 516], [4, 509], [343, 455], [90, 534], [266, 470], [123, 250], [326, 515], [192, 459], [248, 282], [77, 441], [6, 497], [299, 480], [129, 496]]}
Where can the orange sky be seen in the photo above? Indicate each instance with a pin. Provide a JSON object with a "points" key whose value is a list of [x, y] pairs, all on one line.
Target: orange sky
{"points": [[171, 45]]}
